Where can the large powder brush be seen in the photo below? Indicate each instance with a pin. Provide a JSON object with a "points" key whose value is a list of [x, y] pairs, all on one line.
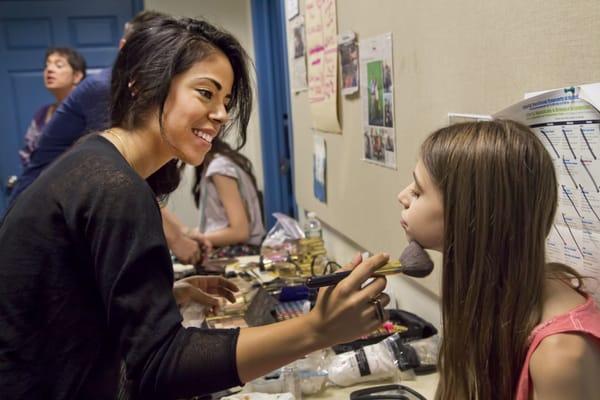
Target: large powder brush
{"points": [[414, 261]]}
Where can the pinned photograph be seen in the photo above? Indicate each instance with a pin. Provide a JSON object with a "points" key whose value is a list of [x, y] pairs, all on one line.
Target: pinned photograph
{"points": [[298, 40], [377, 100], [297, 50], [375, 93], [348, 49], [319, 169]]}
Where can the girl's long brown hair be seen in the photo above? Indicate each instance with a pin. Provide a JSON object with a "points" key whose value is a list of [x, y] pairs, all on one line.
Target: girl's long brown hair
{"points": [[500, 195]]}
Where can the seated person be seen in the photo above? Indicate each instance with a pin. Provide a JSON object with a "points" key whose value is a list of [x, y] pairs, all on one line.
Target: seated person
{"points": [[515, 326], [230, 208], [64, 69], [87, 110]]}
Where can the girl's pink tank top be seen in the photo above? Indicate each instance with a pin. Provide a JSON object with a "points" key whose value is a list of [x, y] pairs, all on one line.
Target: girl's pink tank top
{"points": [[584, 318]]}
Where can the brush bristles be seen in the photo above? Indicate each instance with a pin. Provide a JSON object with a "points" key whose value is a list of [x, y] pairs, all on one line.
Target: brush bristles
{"points": [[415, 261]]}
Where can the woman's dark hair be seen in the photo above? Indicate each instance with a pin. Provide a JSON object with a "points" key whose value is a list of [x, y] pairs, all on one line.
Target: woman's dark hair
{"points": [[152, 57], [219, 146], [140, 20], [75, 60]]}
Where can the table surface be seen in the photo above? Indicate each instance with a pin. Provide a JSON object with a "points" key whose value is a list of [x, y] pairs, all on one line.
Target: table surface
{"points": [[424, 384]]}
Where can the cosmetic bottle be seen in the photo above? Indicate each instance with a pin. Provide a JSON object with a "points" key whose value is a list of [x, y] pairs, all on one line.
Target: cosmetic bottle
{"points": [[312, 226]]}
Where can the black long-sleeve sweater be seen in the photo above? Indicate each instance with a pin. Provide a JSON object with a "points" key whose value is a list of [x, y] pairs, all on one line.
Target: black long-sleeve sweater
{"points": [[86, 284]]}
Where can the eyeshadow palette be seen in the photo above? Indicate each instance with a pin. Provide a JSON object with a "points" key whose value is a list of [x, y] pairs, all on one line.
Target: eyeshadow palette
{"points": [[291, 309]]}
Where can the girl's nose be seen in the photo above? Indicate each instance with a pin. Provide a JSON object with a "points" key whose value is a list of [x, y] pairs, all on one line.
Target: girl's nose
{"points": [[404, 197]]}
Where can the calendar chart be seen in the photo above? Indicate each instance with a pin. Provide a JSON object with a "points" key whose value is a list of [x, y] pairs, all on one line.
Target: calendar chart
{"points": [[567, 122]]}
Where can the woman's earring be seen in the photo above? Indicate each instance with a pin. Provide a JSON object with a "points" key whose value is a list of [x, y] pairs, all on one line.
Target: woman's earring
{"points": [[132, 92]]}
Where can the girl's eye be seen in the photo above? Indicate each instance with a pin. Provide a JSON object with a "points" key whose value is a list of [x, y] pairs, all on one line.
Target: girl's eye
{"points": [[207, 94], [414, 194]]}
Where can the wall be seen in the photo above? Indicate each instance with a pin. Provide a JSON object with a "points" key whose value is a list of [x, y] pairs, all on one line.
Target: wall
{"points": [[235, 17], [404, 294], [464, 56]]}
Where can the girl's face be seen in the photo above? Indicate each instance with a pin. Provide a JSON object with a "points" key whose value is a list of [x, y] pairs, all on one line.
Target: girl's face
{"points": [[197, 107], [423, 215], [58, 73]]}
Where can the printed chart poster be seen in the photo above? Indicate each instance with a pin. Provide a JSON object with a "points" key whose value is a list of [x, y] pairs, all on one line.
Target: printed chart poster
{"points": [[321, 42], [298, 52], [567, 121], [319, 169], [348, 48], [376, 80]]}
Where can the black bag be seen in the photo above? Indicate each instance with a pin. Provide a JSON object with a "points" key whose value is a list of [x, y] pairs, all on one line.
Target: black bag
{"points": [[418, 328]]}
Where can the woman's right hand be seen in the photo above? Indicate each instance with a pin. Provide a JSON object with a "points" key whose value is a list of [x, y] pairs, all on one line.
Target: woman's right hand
{"points": [[347, 311], [342, 313]]}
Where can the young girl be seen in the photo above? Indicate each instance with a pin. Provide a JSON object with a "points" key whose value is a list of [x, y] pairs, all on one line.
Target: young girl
{"points": [[64, 69], [485, 194], [85, 272], [230, 209]]}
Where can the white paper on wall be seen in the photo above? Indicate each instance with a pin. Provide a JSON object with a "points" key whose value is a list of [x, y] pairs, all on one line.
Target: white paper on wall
{"points": [[322, 64], [567, 121]]}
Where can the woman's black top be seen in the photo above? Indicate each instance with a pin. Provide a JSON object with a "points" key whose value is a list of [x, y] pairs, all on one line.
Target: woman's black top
{"points": [[86, 291]]}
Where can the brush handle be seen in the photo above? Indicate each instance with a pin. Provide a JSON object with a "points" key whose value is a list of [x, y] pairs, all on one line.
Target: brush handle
{"points": [[326, 280], [333, 279]]}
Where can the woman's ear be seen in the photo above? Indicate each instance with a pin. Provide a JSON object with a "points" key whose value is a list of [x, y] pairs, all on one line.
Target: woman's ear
{"points": [[77, 77], [131, 85]]}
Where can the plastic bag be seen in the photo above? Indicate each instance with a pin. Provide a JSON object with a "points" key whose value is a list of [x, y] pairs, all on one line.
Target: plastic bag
{"points": [[286, 228], [311, 372], [382, 360], [374, 362]]}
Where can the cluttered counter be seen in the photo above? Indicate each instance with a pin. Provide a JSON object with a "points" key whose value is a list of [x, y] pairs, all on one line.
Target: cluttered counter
{"points": [[423, 384], [272, 288]]}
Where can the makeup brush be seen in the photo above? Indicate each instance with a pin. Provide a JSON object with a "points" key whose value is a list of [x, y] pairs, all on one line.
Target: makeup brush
{"points": [[414, 261]]}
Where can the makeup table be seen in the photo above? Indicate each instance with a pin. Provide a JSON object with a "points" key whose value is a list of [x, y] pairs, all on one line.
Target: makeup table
{"points": [[424, 384]]}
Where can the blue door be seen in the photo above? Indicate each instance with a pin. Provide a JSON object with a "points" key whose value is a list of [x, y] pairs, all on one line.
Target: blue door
{"points": [[27, 28], [269, 31]]}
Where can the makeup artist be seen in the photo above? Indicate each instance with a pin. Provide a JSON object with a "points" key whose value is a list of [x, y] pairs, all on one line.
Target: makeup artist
{"points": [[85, 273]]}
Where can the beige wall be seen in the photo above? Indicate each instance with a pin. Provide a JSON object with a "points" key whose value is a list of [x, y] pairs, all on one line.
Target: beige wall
{"points": [[463, 56], [404, 294], [235, 17]]}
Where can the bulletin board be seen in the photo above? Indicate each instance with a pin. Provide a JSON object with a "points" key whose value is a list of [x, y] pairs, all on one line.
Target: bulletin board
{"points": [[464, 56]]}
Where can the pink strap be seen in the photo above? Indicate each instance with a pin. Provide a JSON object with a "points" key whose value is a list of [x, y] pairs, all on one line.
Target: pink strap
{"points": [[585, 319]]}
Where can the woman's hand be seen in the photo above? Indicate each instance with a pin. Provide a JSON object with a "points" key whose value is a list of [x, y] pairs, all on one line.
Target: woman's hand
{"points": [[187, 250], [342, 313], [201, 239], [193, 246], [204, 290], [348, 310]]}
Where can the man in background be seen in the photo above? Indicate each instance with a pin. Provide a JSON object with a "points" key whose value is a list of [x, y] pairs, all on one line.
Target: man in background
{"points": [[86, 110]]}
